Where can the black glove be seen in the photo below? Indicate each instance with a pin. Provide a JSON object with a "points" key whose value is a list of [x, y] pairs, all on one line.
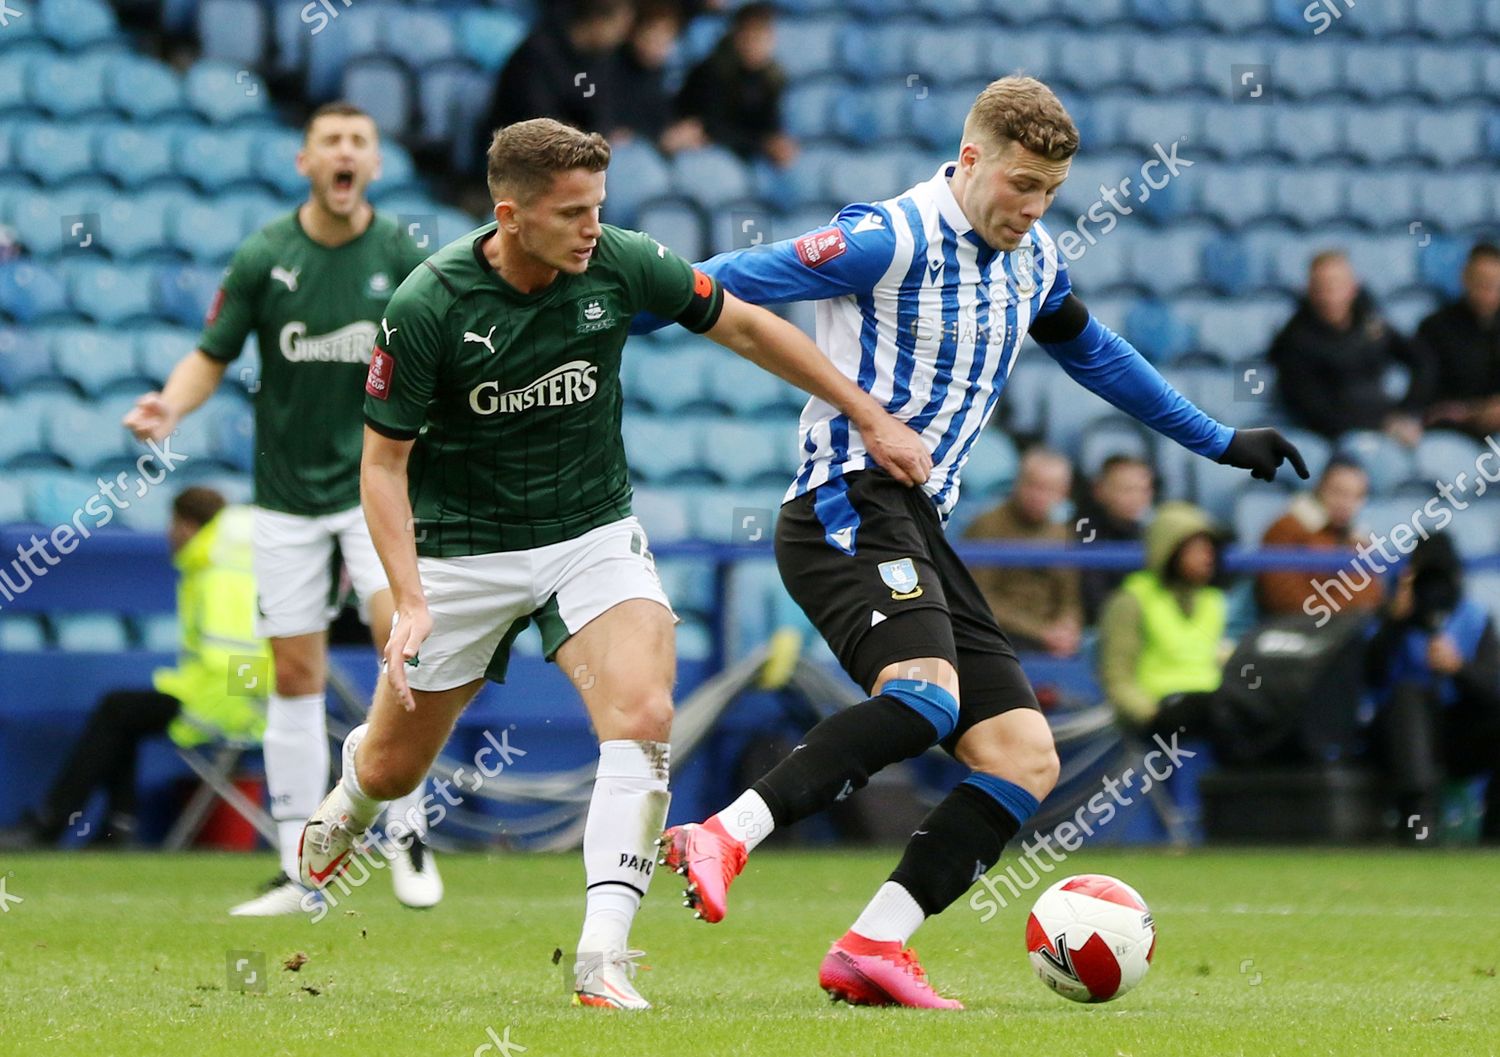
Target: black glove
{"points": [[1261, 451]]}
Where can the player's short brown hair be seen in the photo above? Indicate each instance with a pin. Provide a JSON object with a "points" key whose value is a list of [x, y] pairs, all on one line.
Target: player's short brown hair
{"points": [[334, 109], [524, 157], [197, 504], [1025, 111]]}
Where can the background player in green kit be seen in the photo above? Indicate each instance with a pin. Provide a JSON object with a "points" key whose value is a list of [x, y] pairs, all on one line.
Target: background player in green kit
{"points": [[495, 485], [312, 286]]}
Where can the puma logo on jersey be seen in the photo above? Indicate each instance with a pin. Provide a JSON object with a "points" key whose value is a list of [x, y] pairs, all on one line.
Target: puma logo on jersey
{"points": [[482, 339], [389, 330], [288, 278]]}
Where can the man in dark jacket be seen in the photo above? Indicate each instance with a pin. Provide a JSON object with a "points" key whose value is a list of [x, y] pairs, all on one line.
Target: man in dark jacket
{"points": [[1434, 669], [566, 69], [1333, 355], [1461, 343], [736, 91]]}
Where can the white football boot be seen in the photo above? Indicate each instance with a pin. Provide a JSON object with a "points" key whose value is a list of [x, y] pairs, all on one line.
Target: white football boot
{"points": [[605, 982], [281, 896], [328, 840], [414, 875]]}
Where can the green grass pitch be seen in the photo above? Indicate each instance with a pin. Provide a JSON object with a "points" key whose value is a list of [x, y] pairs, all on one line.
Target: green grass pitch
{"points": [[1260, 953]]}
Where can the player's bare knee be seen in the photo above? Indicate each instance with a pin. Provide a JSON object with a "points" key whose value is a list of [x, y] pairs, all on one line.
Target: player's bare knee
{"points": [[1027, 758], [298, 675], [386, 778], [646, 716]]}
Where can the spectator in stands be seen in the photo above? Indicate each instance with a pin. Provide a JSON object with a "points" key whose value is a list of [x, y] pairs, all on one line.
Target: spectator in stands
{"points": [[192, 703], [1324, 518], [736, 91], [1461, 344], [1333, 355], [645, 107], [567, 69], [1114, 511], [1040, 608], [1434, 667], [1161, 635]]}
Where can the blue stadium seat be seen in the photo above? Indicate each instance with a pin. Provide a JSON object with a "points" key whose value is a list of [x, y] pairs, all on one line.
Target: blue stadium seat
{"points": [[1307, 70], [810, 46], [1449, 138], [133, 227], [1447, 74], [637, 174], [1091, 13], [234, 31], [711, 177], [1104, 266], [991, 467], [1454, 202], [1163, 14], [1069, 408], [331, 48], [382, 88], [1460, 22], [199, 229], [417, 37], [1166, 263], [216, 158], [275, 160], [877, 51], [488, 37], [1484, 588], [1310, 198], [1238, 195], [90, 358], [866, 176], [1316, 449], [81, 435], [136, 155], [452, 101], [21, 438], [222, 93], [718, 514], [1164, 121], [1381, 19], [807, 107], [29, 293], [233, 436], [53, 153], [1405, 311], [1235, 331], [1163, 65], [54, 495], [1231, 266], [663, 513], [158, 348], [1087, 69], [1216, 488], [1024, 400], [741, 452], [23, 358], [1255, 510], [938, 119], [676, 224], [661, 450], [142, 89], [291, 36], [19, 632], [1161, 333], [1234, 132], [1377, 72], [745, 390], [1380, 199], [1388, 462], [689, 583], [1385, 264], [1306, 133], [90, 632], [110, 294], [67, 86], [76, 24], [1377, 135], [159, 632], [1442, 456], [183, 294], [945, 54], [669, 382]]}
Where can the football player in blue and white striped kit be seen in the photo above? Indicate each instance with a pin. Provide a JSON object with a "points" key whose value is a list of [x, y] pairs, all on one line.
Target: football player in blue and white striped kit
{"points": [[924, 299]]}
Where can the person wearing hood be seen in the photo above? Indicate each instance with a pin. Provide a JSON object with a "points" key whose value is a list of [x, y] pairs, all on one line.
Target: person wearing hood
{"points": [[1161, 635], [1332, 358], [209, 695], [1433, 667]]}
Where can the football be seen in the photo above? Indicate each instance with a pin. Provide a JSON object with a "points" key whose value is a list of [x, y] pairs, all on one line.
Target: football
{"points": [[1090, 938]]}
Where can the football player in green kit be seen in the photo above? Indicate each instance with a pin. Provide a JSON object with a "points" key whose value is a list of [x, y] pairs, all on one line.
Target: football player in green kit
{"points": [[312, 287]]}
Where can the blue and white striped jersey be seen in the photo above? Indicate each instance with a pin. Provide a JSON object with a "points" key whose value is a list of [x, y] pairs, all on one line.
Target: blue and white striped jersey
{"points": [[928, 319]]}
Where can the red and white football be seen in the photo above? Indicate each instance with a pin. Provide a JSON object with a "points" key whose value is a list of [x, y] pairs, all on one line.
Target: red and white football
{"points": [[1090, 937]]}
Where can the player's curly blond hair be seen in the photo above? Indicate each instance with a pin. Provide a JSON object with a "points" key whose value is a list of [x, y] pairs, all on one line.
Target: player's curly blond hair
{"points": [[524, 157], [1026, 111]]}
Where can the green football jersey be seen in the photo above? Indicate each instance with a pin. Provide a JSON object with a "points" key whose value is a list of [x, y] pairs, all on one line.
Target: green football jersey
{"points": [[514, 398], [315, 312]]}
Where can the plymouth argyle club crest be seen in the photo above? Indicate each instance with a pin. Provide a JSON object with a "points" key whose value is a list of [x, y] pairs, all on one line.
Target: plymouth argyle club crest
{"points": [[901, 577], [594, 314]]}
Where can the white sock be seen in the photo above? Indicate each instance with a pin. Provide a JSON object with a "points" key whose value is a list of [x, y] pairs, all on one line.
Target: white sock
{"points": [[892, 915], [404, 816], [627, 812], [748, 820], [363, 809], [296, 753]]}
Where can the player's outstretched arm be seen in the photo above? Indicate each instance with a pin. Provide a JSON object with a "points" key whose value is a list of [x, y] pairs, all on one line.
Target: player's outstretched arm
{"points": [[192, 381], [772, 343], [387, 507]]}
